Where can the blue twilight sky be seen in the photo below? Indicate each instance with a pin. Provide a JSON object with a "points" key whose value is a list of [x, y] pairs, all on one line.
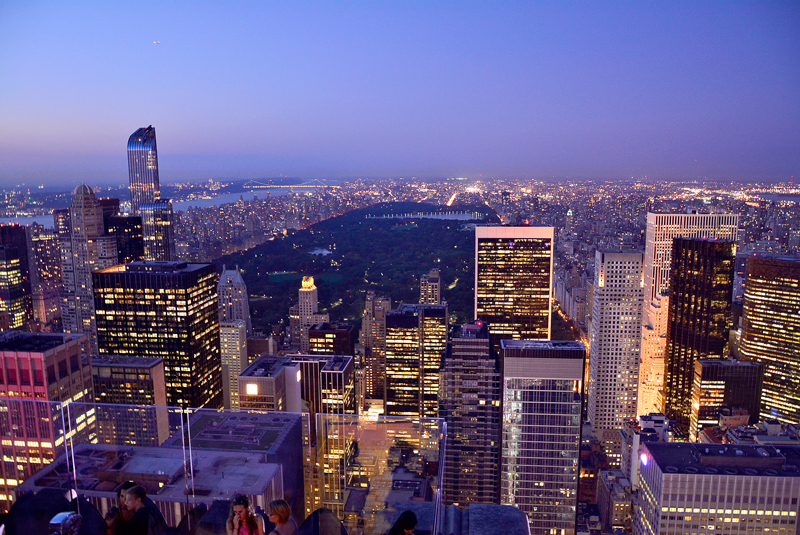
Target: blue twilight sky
{"points": [[244, 89]]}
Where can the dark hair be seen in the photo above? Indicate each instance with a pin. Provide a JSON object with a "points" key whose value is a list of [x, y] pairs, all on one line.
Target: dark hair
{"points": [[406, 520], [125, 486], [244, 501], [138, 492], [281, 509]]}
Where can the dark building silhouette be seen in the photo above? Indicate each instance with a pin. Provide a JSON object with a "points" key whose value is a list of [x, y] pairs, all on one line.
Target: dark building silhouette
{"points": [[167, 310], [723, 384], [469, 401], [332, 339], [771, 333], [130, 240], [699, 317]]}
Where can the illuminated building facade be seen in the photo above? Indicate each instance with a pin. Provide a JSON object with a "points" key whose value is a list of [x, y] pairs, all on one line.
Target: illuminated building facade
{"points": [[143, 168], [308, 312], [132, 400], [332, 339], [234, 302], [416, 340], [263, 385], [661, 230], [693, 488], [771, 333], [513, 281], [542, 389], [233, 355], [699, 321], [615, 346], [430, 288], [84, 248], [158, 229], [15, 276], [373, 338], [39, 372], [45, 255], [469, 401], [723, 384], [166, 310]]}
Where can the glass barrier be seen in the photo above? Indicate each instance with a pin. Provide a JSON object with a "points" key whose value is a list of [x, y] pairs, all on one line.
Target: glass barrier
{"points": [[33, 435], [370, 468], [364, 469]]}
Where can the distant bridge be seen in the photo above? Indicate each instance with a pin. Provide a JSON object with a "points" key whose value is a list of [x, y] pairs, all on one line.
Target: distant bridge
{"points": [[255, 184]]}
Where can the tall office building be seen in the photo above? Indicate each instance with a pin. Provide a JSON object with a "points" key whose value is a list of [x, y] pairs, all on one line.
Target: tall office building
{"points": [[129, 235], [661, 230], [308, 312], [84, 248], [469, 402], [143, 168], [15, 276], [332, 339], [416, 339], [158, 229], [615, 346], [40, 371], [693, 488], [132, 400], [723, 384], [513, 281], [430, 288], [233, 355], [699, 321], [167, 310], [542, 388], [46, 278], [234, 302], [771, 333], [373, 338]]}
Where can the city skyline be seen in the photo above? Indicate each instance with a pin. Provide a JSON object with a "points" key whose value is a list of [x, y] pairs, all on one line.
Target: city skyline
{"points": [[681, 91]]}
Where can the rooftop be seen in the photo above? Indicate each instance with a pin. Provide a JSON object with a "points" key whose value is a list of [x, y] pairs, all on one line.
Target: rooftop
{"points": [[740, 459], [265, 367], [117, 361], [34, 342], [542, 344]]}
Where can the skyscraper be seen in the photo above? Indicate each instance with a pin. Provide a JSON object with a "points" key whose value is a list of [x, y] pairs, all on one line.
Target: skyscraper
{"points": [[373, 338], [308, 312], [143, 168], [430, 288], [469, 401], [158, 229], [234, 303], [661, 229], [38, 370], [46, 278], [699, 321], [615, 346], [130, 238], [84, 248], [771, 333], [513, 281], [233, 355], [416, 339], [723, 384], [167, 310], [15, 276], [542, 386], [132, 399]]}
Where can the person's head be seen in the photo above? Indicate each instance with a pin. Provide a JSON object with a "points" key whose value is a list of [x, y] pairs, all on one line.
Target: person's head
{"points": [[279, 512], [406, 523], [135, 497], [240, 509], [123, 490]]}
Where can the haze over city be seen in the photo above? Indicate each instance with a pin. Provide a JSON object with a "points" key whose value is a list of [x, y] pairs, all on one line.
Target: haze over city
{"points": [[684, 90]]}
